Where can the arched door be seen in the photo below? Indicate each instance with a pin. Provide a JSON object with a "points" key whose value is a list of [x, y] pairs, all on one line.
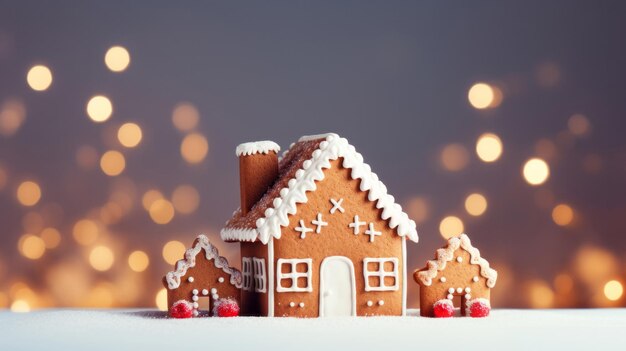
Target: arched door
{"points": [[337, 287]]}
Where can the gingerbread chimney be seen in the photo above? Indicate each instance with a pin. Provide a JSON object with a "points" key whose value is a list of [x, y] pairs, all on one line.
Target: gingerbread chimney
{"points": [[258, 169]]}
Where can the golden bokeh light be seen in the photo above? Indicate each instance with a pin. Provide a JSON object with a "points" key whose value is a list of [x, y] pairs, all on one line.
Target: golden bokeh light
{"points": [[194, 148], [117, 58], [578, 125], [185, 199], [475, 204], [185, 117], [28, 193], [33, 222], [173, 251], [112, 163], [51, 237], [451, 226], [129, 134], [12, 116], [540, 295], [85, 232], [545, 148], [161, 300], [595, 265], [489, 147], [138, 261], [418, 209], [454, 157], [536, 171], [149, 197], [161, 211], [99, 108], [31, 246], [39, 77], [481, 95], [562, 214], [101, 258], [563, 283], [613, 290], [100, 295], [20, 306]]}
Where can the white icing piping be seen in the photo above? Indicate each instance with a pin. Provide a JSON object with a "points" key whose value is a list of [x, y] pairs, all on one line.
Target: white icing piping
{"points": [[446, 254], [257, 147], [316, 137], [173, 277], [312, 170], [239, 234]]}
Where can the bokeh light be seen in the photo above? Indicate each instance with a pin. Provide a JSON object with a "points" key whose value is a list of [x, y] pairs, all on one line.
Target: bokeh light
{"points": [[536, 171], [117, 58], [173, 251], [28, 193], [613, 290], [31, 246], [51, 237], [563, 283], [161, 300], [194, 148], [101, 258], [475, 204], [85, 232], [451, 226], [545, 148], [578, 125], [481, 95], [129, 134], [540, 295], [489, 147], [99, 108], [12, 116], [185, 199], [138, 261], [20, 306], [185, 117], [39, 77], [161, 211], [112, 163], [149, 197], [454, 157], [562, 214], [417, 208]]}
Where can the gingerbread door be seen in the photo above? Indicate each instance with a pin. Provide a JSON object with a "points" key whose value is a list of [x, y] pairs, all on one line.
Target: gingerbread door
{"points": [[337, 287]]}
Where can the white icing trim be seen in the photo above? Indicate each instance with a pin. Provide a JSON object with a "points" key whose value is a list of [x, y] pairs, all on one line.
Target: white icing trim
{"points": [[322, 283], [319, 223], [404, 275], [336, 206], [316, 136], [302, 229], [259, 274], [211, 253], [257, 147], [356, 224], [270, 278], [293, 274], [446, 254], [305, 180], [381, 273], [372, 232]]}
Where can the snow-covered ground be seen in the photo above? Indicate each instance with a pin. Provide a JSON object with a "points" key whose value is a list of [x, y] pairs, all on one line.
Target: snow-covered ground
{"points": [[601, 329]]}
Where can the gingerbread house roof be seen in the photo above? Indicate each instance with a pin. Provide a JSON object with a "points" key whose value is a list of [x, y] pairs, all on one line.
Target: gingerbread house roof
{"points": [[299, 168], [211, 253], [446, 254]]}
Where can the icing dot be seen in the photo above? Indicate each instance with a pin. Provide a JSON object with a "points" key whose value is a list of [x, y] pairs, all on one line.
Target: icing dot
{"points": [[370, 303], [381, 302], [451, 290], [468, 296], [213, 291], [301, 304], [467, 290], [450, 296], [205, 292], [459, 259], [190, 279], [195, 305], [459, 290], [195, 313], [215, 296], [292, 304], [194, 297], [442, 279], [194, 291], [220, 279], [475, 279]]}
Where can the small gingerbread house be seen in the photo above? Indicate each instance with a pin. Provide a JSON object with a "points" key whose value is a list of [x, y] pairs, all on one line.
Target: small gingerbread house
{"points": [[319, 234], [457, 271], [202, 275]]}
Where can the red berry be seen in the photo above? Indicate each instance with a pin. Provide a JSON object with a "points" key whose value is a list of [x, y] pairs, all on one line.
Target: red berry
{"points": [[181, 309], [479, 309], [226, 308], [443, 309]]}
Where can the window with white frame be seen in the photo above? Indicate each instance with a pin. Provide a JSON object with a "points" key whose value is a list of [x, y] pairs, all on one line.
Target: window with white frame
{"points": [[294, 275], [259, 274], [381, 274], [246, 263]]}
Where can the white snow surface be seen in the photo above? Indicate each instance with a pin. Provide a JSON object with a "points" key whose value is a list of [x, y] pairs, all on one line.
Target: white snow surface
{"points": [[149, 330]]}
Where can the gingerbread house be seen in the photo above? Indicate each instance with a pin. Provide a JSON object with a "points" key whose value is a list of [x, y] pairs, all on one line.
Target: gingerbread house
{"points": [[319, 234], [202, 278], [457, 273]]}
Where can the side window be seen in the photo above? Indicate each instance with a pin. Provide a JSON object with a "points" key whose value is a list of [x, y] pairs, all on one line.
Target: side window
{"points": [[381, 274], [294, 275], [246, 262], [259, 275]]}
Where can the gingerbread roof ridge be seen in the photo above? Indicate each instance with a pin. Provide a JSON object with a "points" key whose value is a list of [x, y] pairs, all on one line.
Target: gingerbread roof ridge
{"points": [[331, 148], [446, 254], [211, 253]]}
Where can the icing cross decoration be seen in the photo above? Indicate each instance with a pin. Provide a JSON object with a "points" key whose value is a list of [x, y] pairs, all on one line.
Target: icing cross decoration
{"points": [[356, 224], [336, 206], [319, 223], [303, 230], [372, 232]]}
